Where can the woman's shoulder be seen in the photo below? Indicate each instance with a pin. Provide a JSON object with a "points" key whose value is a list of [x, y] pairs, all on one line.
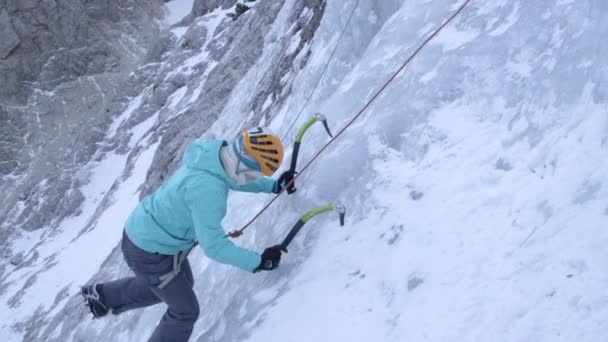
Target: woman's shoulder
{"points": [[201, 180]]}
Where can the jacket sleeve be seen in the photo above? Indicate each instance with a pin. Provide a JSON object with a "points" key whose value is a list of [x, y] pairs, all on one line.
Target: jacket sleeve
{"points": [[207, 203], [262, 184]]}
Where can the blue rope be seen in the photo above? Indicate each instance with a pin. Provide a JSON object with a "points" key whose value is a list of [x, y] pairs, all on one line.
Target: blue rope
{"points": [[323, 72]]}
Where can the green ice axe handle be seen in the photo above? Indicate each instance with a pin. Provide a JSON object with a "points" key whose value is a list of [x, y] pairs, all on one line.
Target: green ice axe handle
{"points": [[306, 217], [300, 135]]}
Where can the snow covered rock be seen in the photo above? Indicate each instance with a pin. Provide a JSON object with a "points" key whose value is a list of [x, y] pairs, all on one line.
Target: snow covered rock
{"points": [[475, 183]]}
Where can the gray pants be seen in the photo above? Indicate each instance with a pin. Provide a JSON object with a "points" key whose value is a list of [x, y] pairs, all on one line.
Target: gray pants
{"points": [[142, 290]]}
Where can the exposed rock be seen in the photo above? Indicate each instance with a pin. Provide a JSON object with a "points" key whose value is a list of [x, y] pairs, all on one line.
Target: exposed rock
{"points": [[413, 282], [305, 26], [16, 260], [416, 195], [13, 129], [202, 7], [195, 37], [68, 67], [503, 165], [9, 40], [66, 39]]}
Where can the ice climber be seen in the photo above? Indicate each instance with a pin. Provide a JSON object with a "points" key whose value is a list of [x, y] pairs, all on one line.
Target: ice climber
{"points": [[189, 207]]}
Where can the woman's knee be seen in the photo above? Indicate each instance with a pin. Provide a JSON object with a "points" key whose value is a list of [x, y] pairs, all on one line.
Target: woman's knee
{"points": [[187, 312], [196, 311]]}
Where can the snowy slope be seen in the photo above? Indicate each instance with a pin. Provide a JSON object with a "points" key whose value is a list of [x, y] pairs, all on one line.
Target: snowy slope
{"points": [[475, 186]]}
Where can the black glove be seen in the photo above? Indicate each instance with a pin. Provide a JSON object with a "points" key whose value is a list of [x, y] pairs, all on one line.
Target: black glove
{"points": [[270, 259], [284, 179]]}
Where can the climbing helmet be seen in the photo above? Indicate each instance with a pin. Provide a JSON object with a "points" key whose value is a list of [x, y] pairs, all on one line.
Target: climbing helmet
{"points": [[259, 149]]}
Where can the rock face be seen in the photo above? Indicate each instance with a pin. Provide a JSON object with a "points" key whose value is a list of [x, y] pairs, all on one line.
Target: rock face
{"points": [[202, 7], [62, 63], [62, 67], [10, 40], [75, 67], [53, 41]]}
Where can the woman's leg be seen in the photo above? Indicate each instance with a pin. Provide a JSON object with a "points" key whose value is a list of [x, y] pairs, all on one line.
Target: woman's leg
{"points": [[134, 292], [126, 294], [142, 290], [188, 272], [183, 311]]}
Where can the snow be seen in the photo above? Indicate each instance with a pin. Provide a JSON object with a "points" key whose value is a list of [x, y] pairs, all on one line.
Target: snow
{"points": [[472, 291], [504, 244], [177, 10], [176, 97], [267, 103], [475, 186], [523, 69], [131, 107], [211, 22], [429, 76], [139, 131], [95, 243], [452, 38], [179, 31], [508, 22], [294, 43], [63, 252]]}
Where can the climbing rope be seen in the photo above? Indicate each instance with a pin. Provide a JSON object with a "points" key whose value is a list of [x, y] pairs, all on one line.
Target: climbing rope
{"points": [[349, 123], [331, 57]]}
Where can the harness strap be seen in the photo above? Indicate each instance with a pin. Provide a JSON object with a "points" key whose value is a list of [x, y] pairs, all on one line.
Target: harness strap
{"points": [[178, 260]]}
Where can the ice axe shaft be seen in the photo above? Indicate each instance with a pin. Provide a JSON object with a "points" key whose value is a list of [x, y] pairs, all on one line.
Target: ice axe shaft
{"points": [[306, 217]]}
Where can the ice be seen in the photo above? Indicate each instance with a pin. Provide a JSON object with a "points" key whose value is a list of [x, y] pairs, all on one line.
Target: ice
{"points": [[177, 10], [475, 184], [176, 97], [452, 38], [131, 107], [508, 22], [179, 32]]}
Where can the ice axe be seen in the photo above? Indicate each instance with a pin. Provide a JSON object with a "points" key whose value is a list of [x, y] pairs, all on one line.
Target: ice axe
{"points": [[296, 145], [309, 215], [288, 185]]}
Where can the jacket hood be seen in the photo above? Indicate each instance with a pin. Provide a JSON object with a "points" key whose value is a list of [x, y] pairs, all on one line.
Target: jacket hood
{"points": [[205, 155]]}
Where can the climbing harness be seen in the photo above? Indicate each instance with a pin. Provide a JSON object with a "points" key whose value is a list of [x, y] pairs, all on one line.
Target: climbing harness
{"points": [[239, 232], [178, 260]]}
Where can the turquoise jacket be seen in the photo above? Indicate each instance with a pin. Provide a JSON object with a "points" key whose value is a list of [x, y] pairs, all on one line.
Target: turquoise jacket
{"points": [[190, 207]]}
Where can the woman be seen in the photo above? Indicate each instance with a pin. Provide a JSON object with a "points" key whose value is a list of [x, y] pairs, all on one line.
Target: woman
{"points": [[187, 208]]}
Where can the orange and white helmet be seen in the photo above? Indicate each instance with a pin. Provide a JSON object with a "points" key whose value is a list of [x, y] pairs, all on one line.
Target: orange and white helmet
{"points": [[260, 150]]}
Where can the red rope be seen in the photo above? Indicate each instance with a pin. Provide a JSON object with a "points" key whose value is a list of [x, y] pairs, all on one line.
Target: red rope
{"points": [[239, 232]]}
